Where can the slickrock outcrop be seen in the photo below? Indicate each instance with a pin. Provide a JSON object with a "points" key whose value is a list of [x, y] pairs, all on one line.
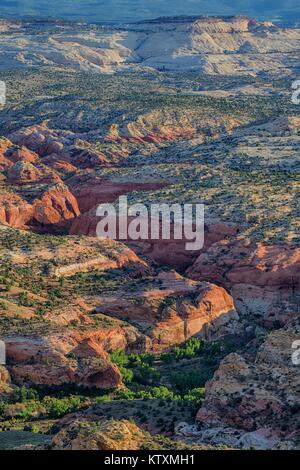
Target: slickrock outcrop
{"points": [[269, 306], [11, 154], [99, 338], [83, 434], [261, 265], [211, 45], [159, 128], [278, 127], [39, 139], [92, 189], [69, 314], [68, 301], [21, 154], [44, 361], [144, 130], [263, 279], [257, 398], [172, 309], [57, 206], [5, 381], [14, 211], [24, 172], [124, 258]]}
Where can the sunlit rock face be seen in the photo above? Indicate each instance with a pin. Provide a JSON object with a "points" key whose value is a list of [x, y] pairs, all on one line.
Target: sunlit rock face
{"points": [[227, 46], [197, 110], [256, 396]]}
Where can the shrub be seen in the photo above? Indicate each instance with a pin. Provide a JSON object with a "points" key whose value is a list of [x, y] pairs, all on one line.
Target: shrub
{"points": [[119, 358], [145, 374], [23, 394], [196, 395], [127, 375], [57, 407], [185, 381], [124, 394], [189, 350], [103, 399], [23, 299]]}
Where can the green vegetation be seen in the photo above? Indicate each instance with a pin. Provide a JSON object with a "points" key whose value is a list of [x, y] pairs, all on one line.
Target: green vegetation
{"points": [[192, 348], [240, 179], [152, 385], [176, 370], [25, 403], [123, 99]]}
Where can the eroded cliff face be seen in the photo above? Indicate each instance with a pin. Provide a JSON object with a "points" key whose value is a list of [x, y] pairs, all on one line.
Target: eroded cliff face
{"points": [[172, 309], [256, 395], [66, 358], [14, 211], [11, 154], [215, 45], [172, 252], [264, 280], [92, 190], [70, 343], [69, 299], [56, 207], [81, 434]]}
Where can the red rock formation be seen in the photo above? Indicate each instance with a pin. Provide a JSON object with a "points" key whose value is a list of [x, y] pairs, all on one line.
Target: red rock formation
{"points": [[24, 173], [259, 277], [211, 313], [14, 211], [85, 158], [174, 309], [141, 133], [44, 361], [10, 154], [90, 189], [251, 395], [124, 258], [40, 139], [57, 206], [235, 262], [21, 154], [60, 163], [4, 161], [171, 252], [67, 315]]}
